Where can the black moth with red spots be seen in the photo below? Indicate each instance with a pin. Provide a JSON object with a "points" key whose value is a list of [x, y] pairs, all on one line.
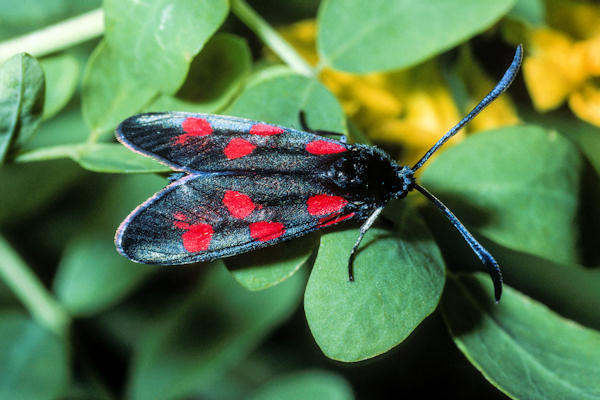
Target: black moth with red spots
{"points": [[246, 185]]}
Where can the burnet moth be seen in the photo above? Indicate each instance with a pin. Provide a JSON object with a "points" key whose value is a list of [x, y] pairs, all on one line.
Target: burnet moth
{"points": [[243, 185]]}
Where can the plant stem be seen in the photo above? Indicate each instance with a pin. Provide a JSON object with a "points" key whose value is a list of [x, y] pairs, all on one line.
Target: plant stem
{"points": [[56, 37], [40, 303], [270, 37]]}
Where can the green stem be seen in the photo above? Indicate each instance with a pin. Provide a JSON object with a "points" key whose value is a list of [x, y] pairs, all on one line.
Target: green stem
{"points": [[56, 37], [40, 303], [270, 37]]}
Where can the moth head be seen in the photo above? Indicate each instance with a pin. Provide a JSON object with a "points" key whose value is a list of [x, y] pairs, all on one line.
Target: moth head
{"points": [[406, 181]]}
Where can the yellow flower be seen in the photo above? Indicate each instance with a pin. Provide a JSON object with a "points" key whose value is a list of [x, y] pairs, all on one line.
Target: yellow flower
{"points": [[562, 65], [412, 107]]}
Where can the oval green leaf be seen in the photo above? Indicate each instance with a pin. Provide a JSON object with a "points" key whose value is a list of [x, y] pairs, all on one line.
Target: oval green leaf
{"points": [[305, 385], [378, 35], [572, 289], [215, 76], [583, 134], [532, 12], [399, 276], [212, 331], [21, 100], [92, 275], [518, 186], [67, 127], [520, 346], [266, 267], [157, 41], [33, 187], [33, 361], [109, 93], [277, 95], [62, 77]]}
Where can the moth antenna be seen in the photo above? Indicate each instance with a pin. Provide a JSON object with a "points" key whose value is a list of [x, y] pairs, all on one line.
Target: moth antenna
{"points": [[363, 229], [484, 255], [501, 86]]}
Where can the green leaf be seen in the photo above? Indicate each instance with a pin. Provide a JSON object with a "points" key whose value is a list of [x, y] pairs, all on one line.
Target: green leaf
{"points": [[32, 187], [264, 268], [127, 192], [532, 12], [109, 93], [21, 100], [570, 289], [33, 361], [520, 346], [305, 385], [366, 36], [276, 95], [399, 276], [583, 134], [215, 76], [517, 185], [216, 328], [116, 158], [67, 127], [158, 40], [92, 275], [62, 78]]}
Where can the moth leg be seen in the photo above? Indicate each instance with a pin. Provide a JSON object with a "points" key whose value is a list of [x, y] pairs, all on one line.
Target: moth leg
{"points": [[305, 127], [363, 229]]}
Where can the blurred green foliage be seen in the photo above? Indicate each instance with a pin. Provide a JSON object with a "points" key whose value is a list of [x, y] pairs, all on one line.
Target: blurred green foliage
{"points": [[77, 320]]}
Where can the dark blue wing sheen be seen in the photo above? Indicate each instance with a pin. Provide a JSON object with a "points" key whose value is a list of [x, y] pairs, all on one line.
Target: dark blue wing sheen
{"points": [[215, 143], [202, 217]]}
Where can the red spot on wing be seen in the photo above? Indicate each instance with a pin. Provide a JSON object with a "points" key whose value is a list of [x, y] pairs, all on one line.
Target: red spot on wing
{"points": [[179, 216], [196, 126], [324, 222], [265, 130], [238, 204], [323, 204], [264, 231], [180, 220], [193, 127], [237, 148], [320, 147], [197, 236]]}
